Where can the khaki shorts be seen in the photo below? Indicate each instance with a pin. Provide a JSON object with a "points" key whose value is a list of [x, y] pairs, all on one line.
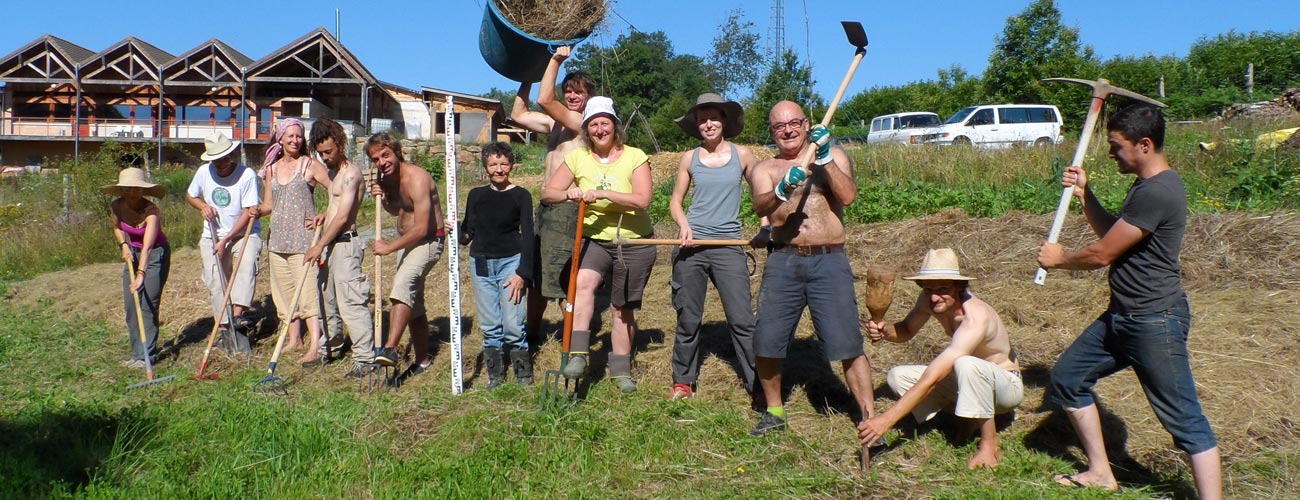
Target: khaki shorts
{"points": [[286, 272], [413, 265]]}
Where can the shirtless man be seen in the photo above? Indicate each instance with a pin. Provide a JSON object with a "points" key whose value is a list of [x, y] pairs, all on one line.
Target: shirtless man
{"points": [[975, 377], [806, 264], [344, 286], [408, 192], [556, 223]]}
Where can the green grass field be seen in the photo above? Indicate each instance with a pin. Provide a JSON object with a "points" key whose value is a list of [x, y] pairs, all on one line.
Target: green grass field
{"points": [[70, 429]]}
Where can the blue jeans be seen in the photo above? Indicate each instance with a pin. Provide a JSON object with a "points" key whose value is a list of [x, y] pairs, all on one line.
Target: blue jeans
{"points": [[1155, 345], [501, 320]]}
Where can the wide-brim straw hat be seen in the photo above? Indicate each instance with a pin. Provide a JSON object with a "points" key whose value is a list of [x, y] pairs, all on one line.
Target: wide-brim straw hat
{"points": [[217, 146], [598, 105], [134, 178], [939, 264], [733, 116]]}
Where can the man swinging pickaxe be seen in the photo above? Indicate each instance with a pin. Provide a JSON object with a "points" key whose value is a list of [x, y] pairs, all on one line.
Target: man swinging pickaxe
{"points": [[1101, 89]]}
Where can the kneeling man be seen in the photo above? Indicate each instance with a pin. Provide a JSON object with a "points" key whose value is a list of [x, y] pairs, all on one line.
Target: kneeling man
{"points": [[975, 377]]}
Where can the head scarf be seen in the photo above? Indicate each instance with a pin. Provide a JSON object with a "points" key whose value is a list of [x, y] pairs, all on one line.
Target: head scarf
{"points": [[274, 151]]}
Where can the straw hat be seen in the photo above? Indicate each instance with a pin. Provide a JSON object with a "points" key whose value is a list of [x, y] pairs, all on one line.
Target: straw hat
{"points": [[598, 105], [134, 178], [217, 146], [939, 264], [733, 116]]}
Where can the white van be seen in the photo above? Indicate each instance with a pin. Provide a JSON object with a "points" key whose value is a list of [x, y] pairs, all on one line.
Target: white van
{"points": [[996, 126], [902, 128]]}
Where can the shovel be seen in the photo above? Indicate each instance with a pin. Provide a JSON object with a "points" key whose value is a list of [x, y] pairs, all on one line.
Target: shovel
{"points": [[555, 387], [272, 384], [148, 357]]}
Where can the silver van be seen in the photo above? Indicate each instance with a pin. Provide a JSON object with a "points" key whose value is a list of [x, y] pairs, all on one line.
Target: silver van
{"points": [[901, 128], [997, 126]]}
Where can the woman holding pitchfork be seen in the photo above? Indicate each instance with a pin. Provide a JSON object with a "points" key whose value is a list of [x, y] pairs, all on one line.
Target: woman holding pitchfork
{"points": [[137, 227], [614, 180]]}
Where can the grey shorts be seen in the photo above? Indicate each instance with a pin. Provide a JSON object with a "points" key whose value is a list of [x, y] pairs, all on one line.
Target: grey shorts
{"points": [[413, 265], [823, 283], [627, 278], [553, 247]]}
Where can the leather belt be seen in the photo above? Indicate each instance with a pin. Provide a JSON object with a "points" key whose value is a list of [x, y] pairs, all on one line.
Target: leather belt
{"points": [[807, 250], [346, 237]]}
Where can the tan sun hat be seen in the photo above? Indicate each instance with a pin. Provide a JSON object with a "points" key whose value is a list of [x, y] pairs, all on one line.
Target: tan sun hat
{"points": [[733, 116], [134, 178], [939, 264], [217, 146]]}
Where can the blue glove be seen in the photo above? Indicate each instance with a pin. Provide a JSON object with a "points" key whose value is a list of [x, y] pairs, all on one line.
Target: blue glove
{"points": [[793, 178], [822, 138]]}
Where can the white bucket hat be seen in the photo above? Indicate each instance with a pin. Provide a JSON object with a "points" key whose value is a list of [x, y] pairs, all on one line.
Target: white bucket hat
{"points": [[134, 178], [598, 105], [217, 146], [939, 264]]}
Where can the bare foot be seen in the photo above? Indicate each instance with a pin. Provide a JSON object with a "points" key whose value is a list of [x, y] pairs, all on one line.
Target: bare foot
{"points": [[292, 345], [984, 458], [1085, 480], [309, 358]]}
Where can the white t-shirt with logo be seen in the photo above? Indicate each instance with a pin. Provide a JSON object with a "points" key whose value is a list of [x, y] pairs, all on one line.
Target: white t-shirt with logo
{"points": [[230, 195]]}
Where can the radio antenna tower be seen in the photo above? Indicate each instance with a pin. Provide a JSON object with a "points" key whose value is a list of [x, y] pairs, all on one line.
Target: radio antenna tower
{"points": [[776, 30]]}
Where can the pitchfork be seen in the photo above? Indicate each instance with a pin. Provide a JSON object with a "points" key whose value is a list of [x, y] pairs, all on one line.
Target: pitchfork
{"points": [[556, 392], [272, 384]]}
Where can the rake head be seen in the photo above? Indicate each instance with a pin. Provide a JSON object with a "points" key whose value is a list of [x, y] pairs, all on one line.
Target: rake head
{"points": [[147, 383], [271, 385]]}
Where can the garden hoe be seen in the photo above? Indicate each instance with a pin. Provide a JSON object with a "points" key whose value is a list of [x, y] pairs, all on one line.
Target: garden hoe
{"points": [[858, 38], [272, 384], [148, 356], [225, 304], [1101, 89], [556, 392]]}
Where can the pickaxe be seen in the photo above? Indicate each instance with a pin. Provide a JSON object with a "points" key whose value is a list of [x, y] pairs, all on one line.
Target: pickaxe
{"points": [[1101, 89]]}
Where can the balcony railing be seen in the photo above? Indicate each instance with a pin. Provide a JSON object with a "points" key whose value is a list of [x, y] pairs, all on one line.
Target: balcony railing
{"points": [[37, 127]]}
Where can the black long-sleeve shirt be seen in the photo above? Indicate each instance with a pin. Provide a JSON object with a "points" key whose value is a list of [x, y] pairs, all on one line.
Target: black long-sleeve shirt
{"points": [[499, 224]]}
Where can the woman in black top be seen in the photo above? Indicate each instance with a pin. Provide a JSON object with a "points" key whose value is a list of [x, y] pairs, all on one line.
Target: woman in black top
{"points": [[498, 227]]}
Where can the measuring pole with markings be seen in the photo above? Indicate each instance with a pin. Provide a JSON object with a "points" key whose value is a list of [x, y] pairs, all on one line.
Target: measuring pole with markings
{"points": [[452, 246]]}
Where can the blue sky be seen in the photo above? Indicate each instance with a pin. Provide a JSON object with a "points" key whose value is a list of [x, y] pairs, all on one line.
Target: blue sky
{"points": [[435, 43]]}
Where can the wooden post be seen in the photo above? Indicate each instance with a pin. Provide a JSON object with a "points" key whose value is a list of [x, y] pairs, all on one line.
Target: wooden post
{"points": [[1162, 86]]}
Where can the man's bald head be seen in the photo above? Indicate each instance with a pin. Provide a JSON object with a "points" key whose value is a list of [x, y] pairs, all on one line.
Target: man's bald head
{"points": [[784, 111]]}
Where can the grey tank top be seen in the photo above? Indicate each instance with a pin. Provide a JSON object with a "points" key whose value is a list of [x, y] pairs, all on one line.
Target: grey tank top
{"points": [[715, 206], [292, 204]]}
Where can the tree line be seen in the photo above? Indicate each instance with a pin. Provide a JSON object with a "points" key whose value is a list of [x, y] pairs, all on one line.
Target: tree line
{"points": [[645, 75]]}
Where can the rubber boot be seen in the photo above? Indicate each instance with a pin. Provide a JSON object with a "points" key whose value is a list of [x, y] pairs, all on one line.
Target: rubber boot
{"points": [[579, 343], [496, 367], [522, 364], [620, 372]]}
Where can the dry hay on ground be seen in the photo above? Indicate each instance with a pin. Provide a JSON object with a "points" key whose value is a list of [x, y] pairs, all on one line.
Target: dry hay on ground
{"points": [[554, 19], [1245, 340]]}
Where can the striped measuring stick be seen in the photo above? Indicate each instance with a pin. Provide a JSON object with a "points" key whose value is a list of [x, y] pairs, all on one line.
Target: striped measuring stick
{"points": [[453, 249]]}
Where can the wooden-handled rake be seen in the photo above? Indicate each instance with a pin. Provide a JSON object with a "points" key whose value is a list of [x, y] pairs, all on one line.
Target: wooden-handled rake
{"points": [[144, 342], [272, 384]]}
